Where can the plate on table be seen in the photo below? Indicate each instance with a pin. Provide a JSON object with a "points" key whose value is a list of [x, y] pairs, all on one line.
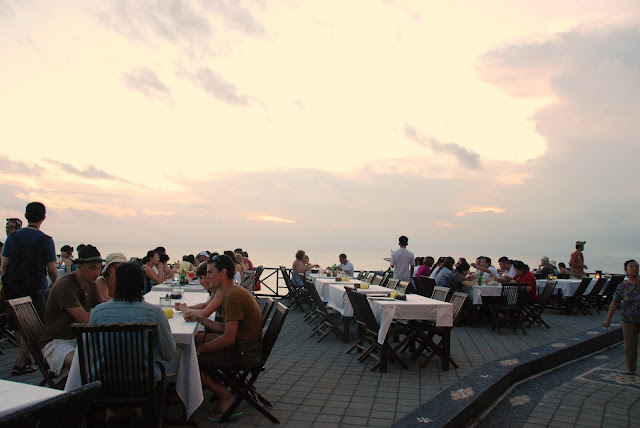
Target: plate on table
{"points": [[382, 298]]}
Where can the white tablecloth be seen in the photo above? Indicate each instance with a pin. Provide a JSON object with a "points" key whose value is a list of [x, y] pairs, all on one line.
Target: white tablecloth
{"points": [[416, 307], [338, 300], [322, 285], [188, 385], [484, 290], [568, 286], [190, 288], [15, 395]]}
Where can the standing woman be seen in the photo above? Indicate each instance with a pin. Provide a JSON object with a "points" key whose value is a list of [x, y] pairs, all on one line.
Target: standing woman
{"points": [[627, 295]]}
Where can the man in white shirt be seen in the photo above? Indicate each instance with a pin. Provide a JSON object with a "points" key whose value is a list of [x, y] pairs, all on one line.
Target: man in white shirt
{"points": [[402, 261], [484, 265], [345, 265]]}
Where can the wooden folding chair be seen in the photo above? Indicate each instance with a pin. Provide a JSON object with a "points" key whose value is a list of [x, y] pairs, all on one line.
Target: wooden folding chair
{"points": [[534, 312], [121, 357], [30, 326], [329, 317], [440, 293], [509, 308]]}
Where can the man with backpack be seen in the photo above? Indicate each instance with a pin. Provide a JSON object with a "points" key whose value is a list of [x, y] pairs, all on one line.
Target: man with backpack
{"points": [[27, 257]]}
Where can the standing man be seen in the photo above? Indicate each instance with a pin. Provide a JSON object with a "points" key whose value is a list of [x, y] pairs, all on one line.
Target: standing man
{"points": [[71, 299], [13, 224], [402, 261], [28, 255], [576, 262], [345, 265], [239, 342]]}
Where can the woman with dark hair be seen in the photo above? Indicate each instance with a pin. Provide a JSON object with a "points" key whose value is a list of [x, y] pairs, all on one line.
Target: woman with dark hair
{"points": [[443, 278], [106, 282], [66, 259], [627, 295], [437, 268], [153, 270], [523, 275], [425, 267], [128, 306], [461, 280]]}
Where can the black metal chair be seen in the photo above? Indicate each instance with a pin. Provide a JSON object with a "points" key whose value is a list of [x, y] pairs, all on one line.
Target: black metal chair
{"points": [[510, 307], [534, 312], [241, 380], [64, 410], [121, 357], [30, 326]]}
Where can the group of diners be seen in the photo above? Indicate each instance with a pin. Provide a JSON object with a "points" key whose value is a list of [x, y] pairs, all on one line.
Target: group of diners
{"points": [[457, 275], [302, 264]]}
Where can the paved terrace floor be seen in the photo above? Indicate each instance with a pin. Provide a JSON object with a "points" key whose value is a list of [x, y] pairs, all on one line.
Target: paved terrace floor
{"points": [[316, 384]]}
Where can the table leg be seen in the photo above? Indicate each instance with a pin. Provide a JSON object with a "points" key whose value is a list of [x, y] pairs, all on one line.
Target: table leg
{"points": [[446, 348], [347, 326]]}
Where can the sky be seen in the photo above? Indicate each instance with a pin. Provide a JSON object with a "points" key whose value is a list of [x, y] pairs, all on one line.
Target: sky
{"points": [[499, 127]]}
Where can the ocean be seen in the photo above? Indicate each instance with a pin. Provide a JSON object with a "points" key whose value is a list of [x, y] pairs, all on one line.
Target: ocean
{"points": [[363, 260]]}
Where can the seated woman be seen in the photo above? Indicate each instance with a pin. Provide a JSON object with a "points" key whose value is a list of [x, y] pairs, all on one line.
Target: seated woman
{"points": [[461, 280], [240, 267], [307, 263], [523, 275], [298, 264], [203, 309], [437, 267], [563, 269], [106, 283], [153, 270], [443, 278], [66, 259], [425, 267]]}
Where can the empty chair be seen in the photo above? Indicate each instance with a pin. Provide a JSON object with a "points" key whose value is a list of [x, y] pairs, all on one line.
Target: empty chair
{"points": [[266, 310], [509, 308], [392, 283], [440, 293], [534, 312], [298, 295], [607, 294], [402, 287], [376, 280], [593, 299], [330, 318], [577, 300]]}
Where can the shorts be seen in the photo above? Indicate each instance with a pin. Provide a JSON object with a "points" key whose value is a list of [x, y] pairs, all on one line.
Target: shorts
{"points": [[56, 351], [245, 354]]}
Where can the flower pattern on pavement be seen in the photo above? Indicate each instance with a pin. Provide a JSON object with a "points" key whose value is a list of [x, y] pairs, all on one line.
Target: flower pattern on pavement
{"points": [[601, 357], [424, 420], [593, 332], [558, 345], [509, 362], [519, 400], [462, 393]]}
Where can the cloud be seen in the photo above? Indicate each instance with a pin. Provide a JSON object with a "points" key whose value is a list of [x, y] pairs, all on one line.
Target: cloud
{"points": [[267, 218], [148, 84], [480, 210], [467, 158], [216, 86], [88, 172], [8, 166], [237, 16]]}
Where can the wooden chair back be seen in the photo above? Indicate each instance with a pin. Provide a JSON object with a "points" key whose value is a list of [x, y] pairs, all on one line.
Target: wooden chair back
{"points": [[428, 284], [457, 300], [121, 357], [440, 293], [266, 310], [273, 330], [514, 294], [597, 287], [543, 299], [582, 287], [376, 280], [392, 283], [402, 287], [30, 325]]}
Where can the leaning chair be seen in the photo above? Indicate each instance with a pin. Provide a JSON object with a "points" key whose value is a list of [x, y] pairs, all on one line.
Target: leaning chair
{"points": [[121, 356], [31, 328]]}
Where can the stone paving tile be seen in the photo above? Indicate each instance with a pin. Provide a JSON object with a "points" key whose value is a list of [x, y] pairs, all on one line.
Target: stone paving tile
{"points": [[317, 384]]}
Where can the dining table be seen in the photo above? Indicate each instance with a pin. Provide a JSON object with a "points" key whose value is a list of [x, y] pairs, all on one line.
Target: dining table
{"points": [[15, 396], [184, 366], [415, 307], [168, 285], [568, 287]]}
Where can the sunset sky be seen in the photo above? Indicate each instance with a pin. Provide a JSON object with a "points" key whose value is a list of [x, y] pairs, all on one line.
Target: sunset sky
{"points": [[472, 127]]}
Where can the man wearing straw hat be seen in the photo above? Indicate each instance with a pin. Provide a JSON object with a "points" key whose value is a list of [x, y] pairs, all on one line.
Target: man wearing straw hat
{"points": [[576, 262], [71, 299]]}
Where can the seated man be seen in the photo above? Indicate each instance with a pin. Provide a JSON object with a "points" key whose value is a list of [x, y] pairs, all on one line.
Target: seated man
{"points": [[70, 300], [345, 265], [545, 269], [128, 306], [241, 332], [483, 265]]}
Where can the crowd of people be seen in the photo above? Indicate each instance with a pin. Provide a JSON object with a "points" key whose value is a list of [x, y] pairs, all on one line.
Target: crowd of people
{"points": [[91, 289]]}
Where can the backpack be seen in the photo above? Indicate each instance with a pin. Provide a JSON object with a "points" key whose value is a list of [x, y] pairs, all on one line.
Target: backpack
{"points": [[23, 276]]}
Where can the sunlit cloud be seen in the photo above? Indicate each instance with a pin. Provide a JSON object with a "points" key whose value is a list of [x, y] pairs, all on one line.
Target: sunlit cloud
{"points": [[466, 157], [217, 86], [146, 82], [268, 218], [18, 167], [89, 171], [480, 210], [157, 213], [443, 223]]}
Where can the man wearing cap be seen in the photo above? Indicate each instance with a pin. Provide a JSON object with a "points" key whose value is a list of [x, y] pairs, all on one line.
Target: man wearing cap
{"points": [[13, 224], [71, 299], [576, 262], [203, 256], [27, 257], [403, 261], [545, 269]]}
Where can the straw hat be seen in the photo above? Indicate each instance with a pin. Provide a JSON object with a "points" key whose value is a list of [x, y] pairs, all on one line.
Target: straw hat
{"points": [[111, 259]]}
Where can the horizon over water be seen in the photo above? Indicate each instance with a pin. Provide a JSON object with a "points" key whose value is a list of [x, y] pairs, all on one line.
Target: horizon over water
{"points": [[362, 260]]}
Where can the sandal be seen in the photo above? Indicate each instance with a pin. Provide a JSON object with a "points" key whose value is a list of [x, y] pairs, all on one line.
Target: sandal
{"points": [[18, 371], [216, 418]]}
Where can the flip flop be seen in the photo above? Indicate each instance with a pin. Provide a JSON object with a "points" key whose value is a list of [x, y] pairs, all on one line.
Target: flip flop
{"points": [[18, 371], [216, 418]]}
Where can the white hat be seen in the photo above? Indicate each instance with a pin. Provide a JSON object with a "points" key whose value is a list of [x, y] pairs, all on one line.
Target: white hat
{"points": [[111, 259], [204, 253]]}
